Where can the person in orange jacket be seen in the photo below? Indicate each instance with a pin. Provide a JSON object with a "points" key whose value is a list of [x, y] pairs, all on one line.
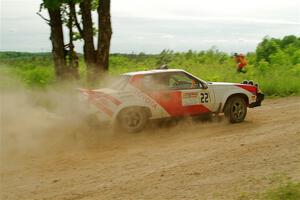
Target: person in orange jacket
{"points": [[241, 61]]}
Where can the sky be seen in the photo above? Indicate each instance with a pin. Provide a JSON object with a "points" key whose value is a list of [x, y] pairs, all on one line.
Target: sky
{"points": [[153, 25]]}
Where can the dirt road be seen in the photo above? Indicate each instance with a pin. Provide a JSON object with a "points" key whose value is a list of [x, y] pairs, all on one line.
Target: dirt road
{"points": [[189, 161]]}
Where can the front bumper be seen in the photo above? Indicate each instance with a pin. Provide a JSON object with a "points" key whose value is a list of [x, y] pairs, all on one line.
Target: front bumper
{"points": [[260, 97]]}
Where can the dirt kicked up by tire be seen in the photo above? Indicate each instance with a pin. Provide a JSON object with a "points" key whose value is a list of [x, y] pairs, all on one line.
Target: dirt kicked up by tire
{"points": [[191, 160]]}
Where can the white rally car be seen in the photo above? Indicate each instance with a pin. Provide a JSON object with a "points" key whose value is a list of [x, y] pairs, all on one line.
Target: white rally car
{"points": [[138, 97]]}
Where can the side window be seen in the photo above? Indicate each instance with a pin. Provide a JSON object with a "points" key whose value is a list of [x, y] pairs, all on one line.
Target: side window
{"points": [[170, 81], [156, 82], [181, 81]]}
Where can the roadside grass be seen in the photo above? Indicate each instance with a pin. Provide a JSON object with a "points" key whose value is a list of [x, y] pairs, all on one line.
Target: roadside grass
{"points": [[286, 191], [275, 187], [36, 70]]}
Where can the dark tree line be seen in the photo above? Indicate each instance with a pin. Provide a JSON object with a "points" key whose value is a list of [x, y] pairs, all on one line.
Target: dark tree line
{"points": [[76, 16], [289, 44]]}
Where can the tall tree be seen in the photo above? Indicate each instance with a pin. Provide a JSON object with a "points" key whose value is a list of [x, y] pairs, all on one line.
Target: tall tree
{"points": [[64, 68], [63, 12], [97, 60], [71, 53], [56, 37], [88, 38], [105, 32]]}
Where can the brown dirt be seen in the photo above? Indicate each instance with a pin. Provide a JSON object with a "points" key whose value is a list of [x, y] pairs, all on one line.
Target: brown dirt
{"points": [[189, 161]]}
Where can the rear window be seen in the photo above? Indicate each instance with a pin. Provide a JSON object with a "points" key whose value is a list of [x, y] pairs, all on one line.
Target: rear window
{"points": [[119, 82]]}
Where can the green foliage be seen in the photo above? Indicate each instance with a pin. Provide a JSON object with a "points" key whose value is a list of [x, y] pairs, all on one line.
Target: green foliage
{"points": [[51, 4], [278, 60], [37, 77], [287, 191], [277, 76], [296, 56], [283, 49], [277, 190], [266, 48], [35, 70], [55, 4], [290, 40], [263, 66]]}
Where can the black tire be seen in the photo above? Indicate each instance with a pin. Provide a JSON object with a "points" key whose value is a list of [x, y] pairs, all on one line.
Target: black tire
{"points": [[235, 109], [133, 119]]}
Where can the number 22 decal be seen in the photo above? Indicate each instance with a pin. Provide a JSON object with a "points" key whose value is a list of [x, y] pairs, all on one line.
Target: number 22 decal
{"points": [[204, 97]]}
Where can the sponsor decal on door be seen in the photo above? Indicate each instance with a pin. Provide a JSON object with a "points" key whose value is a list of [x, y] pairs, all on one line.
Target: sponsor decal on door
{"points": [[194, 98]]}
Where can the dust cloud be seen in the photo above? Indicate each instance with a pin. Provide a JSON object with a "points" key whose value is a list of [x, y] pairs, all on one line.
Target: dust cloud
{"points": [[57, 119], [48, 120]]}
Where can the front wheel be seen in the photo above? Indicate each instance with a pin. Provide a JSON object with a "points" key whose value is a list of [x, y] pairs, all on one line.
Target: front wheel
{"points": [[133, 119], [235, 109]]}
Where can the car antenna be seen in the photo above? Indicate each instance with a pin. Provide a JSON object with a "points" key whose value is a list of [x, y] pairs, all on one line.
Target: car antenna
{"points": [[163, 67]]}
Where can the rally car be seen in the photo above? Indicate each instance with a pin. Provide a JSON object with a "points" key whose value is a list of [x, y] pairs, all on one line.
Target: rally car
{"points": [[138, 97]]}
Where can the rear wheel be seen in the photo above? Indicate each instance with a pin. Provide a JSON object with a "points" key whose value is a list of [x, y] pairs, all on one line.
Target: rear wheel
{"points": [[133, 119], [235, 109]]}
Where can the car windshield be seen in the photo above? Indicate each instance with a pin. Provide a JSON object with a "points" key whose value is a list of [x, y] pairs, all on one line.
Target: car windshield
{"points": [[119, 82]]}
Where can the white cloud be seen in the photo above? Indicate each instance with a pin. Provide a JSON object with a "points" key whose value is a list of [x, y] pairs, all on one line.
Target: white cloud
{"points": [[140, 37], [153, 25], [168, 36], [254, 10]]}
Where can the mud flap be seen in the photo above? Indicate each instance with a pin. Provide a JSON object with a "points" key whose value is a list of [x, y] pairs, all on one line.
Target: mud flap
{"points": [[259, 99]]}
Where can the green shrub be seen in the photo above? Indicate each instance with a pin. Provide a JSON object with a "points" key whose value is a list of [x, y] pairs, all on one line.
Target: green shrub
{"points": [[287, 191], [38, 77]]}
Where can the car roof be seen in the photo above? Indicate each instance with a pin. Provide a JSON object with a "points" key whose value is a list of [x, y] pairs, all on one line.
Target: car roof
{"points": [[156, 71]]}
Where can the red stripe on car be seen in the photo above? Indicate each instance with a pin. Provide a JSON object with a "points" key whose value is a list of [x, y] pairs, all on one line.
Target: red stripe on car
{"points": [[100, 106], [171, 101], [249, 88], [101, 94], [93, 98], [107, 96]]}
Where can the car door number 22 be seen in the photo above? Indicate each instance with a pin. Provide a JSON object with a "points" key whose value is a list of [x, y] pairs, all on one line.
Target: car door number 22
{"points": [[204, 97]]}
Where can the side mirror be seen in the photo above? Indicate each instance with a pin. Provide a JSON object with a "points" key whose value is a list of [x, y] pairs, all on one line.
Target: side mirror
{"points": [[203, 85]]}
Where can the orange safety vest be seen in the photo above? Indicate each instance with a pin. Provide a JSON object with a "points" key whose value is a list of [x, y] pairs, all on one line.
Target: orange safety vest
{"points": [[241, 60]]}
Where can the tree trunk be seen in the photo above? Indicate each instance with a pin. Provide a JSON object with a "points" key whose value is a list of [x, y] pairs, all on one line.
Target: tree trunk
{"points": [[93, 71], [105, 32], [73, 58], [57, 39]]}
